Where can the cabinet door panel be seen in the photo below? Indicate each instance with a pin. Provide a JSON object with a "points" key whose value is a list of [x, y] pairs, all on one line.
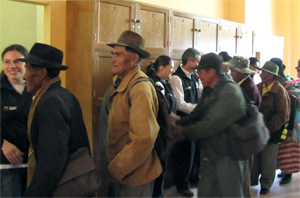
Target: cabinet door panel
{"points": [[207, 38], [245, 42], [154, 28], [182, 34], [227, 39], [112, 20], [102, 78]]}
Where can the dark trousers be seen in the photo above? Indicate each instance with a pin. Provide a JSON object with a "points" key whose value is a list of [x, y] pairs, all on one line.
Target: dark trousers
{"points": [[13, 182], [158, 190], [194, 177], [184, 153]]}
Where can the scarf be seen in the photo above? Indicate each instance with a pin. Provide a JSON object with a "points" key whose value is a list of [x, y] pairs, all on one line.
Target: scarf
{"points": [[31, 156]]}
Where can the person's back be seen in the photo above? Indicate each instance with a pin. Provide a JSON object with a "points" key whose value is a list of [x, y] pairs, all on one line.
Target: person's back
{"points": [[55, 124]]}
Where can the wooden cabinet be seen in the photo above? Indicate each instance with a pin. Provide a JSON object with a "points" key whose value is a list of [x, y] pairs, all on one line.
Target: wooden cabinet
{"points": [[207, 36], [245, 38], [227, 39], [154, 28], [111, 19], [183, 31]]}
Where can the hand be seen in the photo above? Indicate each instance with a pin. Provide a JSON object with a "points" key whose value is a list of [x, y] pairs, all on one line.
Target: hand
{"points": [[12, 153], [173, 118], [177, 132]]}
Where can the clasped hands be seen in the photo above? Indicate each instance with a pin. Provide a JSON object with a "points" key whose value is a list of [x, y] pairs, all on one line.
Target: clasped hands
{"points": [[176, 130]]}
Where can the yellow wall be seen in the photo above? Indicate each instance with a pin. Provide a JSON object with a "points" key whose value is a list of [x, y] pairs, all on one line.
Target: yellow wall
{"points": [[55, 25], [20, 28], [286, 23]]}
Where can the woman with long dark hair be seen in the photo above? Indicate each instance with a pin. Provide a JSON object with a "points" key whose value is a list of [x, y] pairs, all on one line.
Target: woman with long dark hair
{"points": [[15, 104]]}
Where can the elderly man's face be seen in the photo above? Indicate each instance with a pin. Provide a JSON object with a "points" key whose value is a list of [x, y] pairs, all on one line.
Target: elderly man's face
{"points": [[33, 78], [122, 61], [266, 77]]}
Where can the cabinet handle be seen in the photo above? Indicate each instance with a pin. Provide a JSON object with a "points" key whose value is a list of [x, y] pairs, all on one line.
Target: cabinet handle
{"points": [[136, 20], [195, 30], [199, 30]]}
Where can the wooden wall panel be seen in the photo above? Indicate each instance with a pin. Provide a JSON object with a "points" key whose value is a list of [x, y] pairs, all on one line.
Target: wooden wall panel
{"points": [[182, 34], [227, 39], [154, 28], [207, 37], [112, 19]]}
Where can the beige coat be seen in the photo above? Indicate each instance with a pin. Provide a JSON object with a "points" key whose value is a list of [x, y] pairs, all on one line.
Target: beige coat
{"points": [[132, 132]]}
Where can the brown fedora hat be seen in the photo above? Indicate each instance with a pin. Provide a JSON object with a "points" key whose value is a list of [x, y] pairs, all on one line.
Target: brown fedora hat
{"points": [[134, 41], [42, 55]]}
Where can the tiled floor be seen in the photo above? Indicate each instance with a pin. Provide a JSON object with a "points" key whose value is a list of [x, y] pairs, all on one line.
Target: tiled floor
{"points": [[291, 190]]}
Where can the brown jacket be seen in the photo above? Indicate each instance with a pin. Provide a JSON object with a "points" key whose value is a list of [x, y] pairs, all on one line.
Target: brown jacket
{"points": [[275, 106], [132, 132]]}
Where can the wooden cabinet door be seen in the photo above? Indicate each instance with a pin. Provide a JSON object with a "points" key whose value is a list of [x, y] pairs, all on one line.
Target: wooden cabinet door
{"points": [[207, 37], [102, 78], [245, 42], [182, 33], [153, 26], [112, 18], [227, 39]]}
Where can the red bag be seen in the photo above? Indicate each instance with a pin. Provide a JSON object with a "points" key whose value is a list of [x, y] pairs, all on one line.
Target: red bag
{"points": [[289, 157]]}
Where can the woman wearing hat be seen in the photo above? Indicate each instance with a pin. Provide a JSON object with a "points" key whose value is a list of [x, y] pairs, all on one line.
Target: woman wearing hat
{"points": [[275, 107], [15, 104]]}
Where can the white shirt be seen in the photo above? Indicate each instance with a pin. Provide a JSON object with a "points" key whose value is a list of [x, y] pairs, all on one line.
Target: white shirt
{"points": [[176, 85]]}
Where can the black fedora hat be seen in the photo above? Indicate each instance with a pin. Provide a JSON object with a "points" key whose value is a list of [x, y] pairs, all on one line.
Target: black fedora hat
{"points": [[42, 55], [134, 41]]}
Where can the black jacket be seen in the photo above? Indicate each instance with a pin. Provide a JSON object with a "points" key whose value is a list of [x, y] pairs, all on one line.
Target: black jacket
{"points": [[190, 88], [57, 130], [14, 115]]}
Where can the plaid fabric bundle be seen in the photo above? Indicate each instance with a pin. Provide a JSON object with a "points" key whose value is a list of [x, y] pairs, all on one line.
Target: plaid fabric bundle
{"points": [[293, 88]]}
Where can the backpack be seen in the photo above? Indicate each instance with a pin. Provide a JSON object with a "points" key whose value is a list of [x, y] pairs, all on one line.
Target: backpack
{"points": [[249, 135], [164, 141]]}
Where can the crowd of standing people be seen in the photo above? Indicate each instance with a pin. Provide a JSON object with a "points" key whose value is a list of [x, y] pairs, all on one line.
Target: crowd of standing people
{"points": [[42, 122]]}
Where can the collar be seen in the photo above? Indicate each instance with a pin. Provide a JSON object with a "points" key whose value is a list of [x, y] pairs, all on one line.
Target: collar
{"points": [[239, 83], [266, 89], [187, 73], [126, 80]]}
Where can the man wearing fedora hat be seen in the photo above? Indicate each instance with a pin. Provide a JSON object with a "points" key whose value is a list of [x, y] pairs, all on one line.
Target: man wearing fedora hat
{"points": [[292, 88], [275, 107], [55, 124], [132, 130], [240, 72], [222, 103]]}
